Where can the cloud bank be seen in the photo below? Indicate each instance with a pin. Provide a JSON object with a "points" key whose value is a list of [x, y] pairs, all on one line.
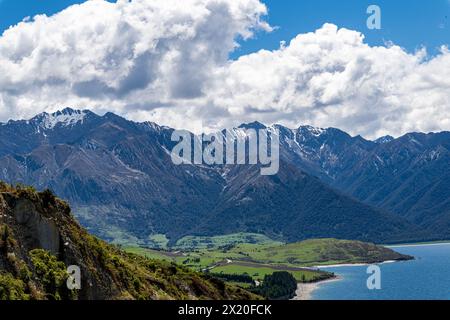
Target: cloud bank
{"points": [[167, 61]]}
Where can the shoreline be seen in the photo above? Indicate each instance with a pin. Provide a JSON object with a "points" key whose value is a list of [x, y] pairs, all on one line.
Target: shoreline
{"points": [[305, 290], [355, 264], [429, 244]]}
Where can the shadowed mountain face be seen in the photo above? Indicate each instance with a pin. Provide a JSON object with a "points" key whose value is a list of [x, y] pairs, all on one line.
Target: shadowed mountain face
{"points": [[119, 177], [408, 176]]}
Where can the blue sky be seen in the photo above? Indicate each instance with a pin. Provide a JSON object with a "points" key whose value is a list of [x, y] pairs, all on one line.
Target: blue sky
{"points": [[408, 23]]}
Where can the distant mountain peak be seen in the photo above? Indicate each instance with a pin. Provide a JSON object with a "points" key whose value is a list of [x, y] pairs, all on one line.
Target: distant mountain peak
{"points": [[69, 111], [253, 125], [65, 117], [156, 127], [315, 131], [385, 139]]}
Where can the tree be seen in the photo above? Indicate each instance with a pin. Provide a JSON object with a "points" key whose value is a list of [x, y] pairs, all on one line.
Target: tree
{"points": [[278, 286]]}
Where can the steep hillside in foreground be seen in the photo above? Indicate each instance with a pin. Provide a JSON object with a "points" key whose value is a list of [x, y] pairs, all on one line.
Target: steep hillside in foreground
{"points": [[39, 239]]}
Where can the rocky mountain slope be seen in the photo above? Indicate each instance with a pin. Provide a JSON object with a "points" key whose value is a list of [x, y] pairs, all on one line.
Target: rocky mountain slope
{"points": [[39, 239]]}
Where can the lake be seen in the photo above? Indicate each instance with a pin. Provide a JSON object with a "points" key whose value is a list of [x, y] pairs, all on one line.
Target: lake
{"points": [[425, 278]]}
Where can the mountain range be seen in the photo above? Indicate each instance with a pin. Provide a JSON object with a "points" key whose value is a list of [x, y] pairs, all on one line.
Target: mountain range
{"points": [[119, 178]]}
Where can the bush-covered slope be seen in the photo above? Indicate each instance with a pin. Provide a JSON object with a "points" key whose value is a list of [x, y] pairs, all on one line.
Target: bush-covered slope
{"points": [[39, 239]]}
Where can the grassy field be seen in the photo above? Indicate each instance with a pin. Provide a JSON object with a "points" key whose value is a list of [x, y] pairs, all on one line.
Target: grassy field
{"points": [[219, 262], [318, 252], [258, 271], [258, 256], [200, 243]]}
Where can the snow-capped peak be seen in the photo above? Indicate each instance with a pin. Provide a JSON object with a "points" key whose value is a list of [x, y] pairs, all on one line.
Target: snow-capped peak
{"points": [[314, 131], [66, 117]]}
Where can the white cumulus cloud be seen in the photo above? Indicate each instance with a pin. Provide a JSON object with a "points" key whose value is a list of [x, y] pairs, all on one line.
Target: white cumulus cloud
{"points": [[332, 78], [167, 61], [121, 56]]}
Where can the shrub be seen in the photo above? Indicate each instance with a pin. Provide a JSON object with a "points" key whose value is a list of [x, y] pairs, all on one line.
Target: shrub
{"points": [[51, 272], [11, 288], [48, 198], [279, 285]]}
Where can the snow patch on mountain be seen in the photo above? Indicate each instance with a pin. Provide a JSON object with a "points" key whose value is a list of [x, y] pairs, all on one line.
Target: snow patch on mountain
{"points": [[385, 139], [65, 118]]}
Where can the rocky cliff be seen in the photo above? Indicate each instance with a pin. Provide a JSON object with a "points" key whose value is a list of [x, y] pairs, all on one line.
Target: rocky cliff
{"points": [[39, 240]]}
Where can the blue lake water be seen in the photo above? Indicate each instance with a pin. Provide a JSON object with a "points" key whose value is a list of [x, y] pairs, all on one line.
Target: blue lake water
{"points": [[426, 278]]}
